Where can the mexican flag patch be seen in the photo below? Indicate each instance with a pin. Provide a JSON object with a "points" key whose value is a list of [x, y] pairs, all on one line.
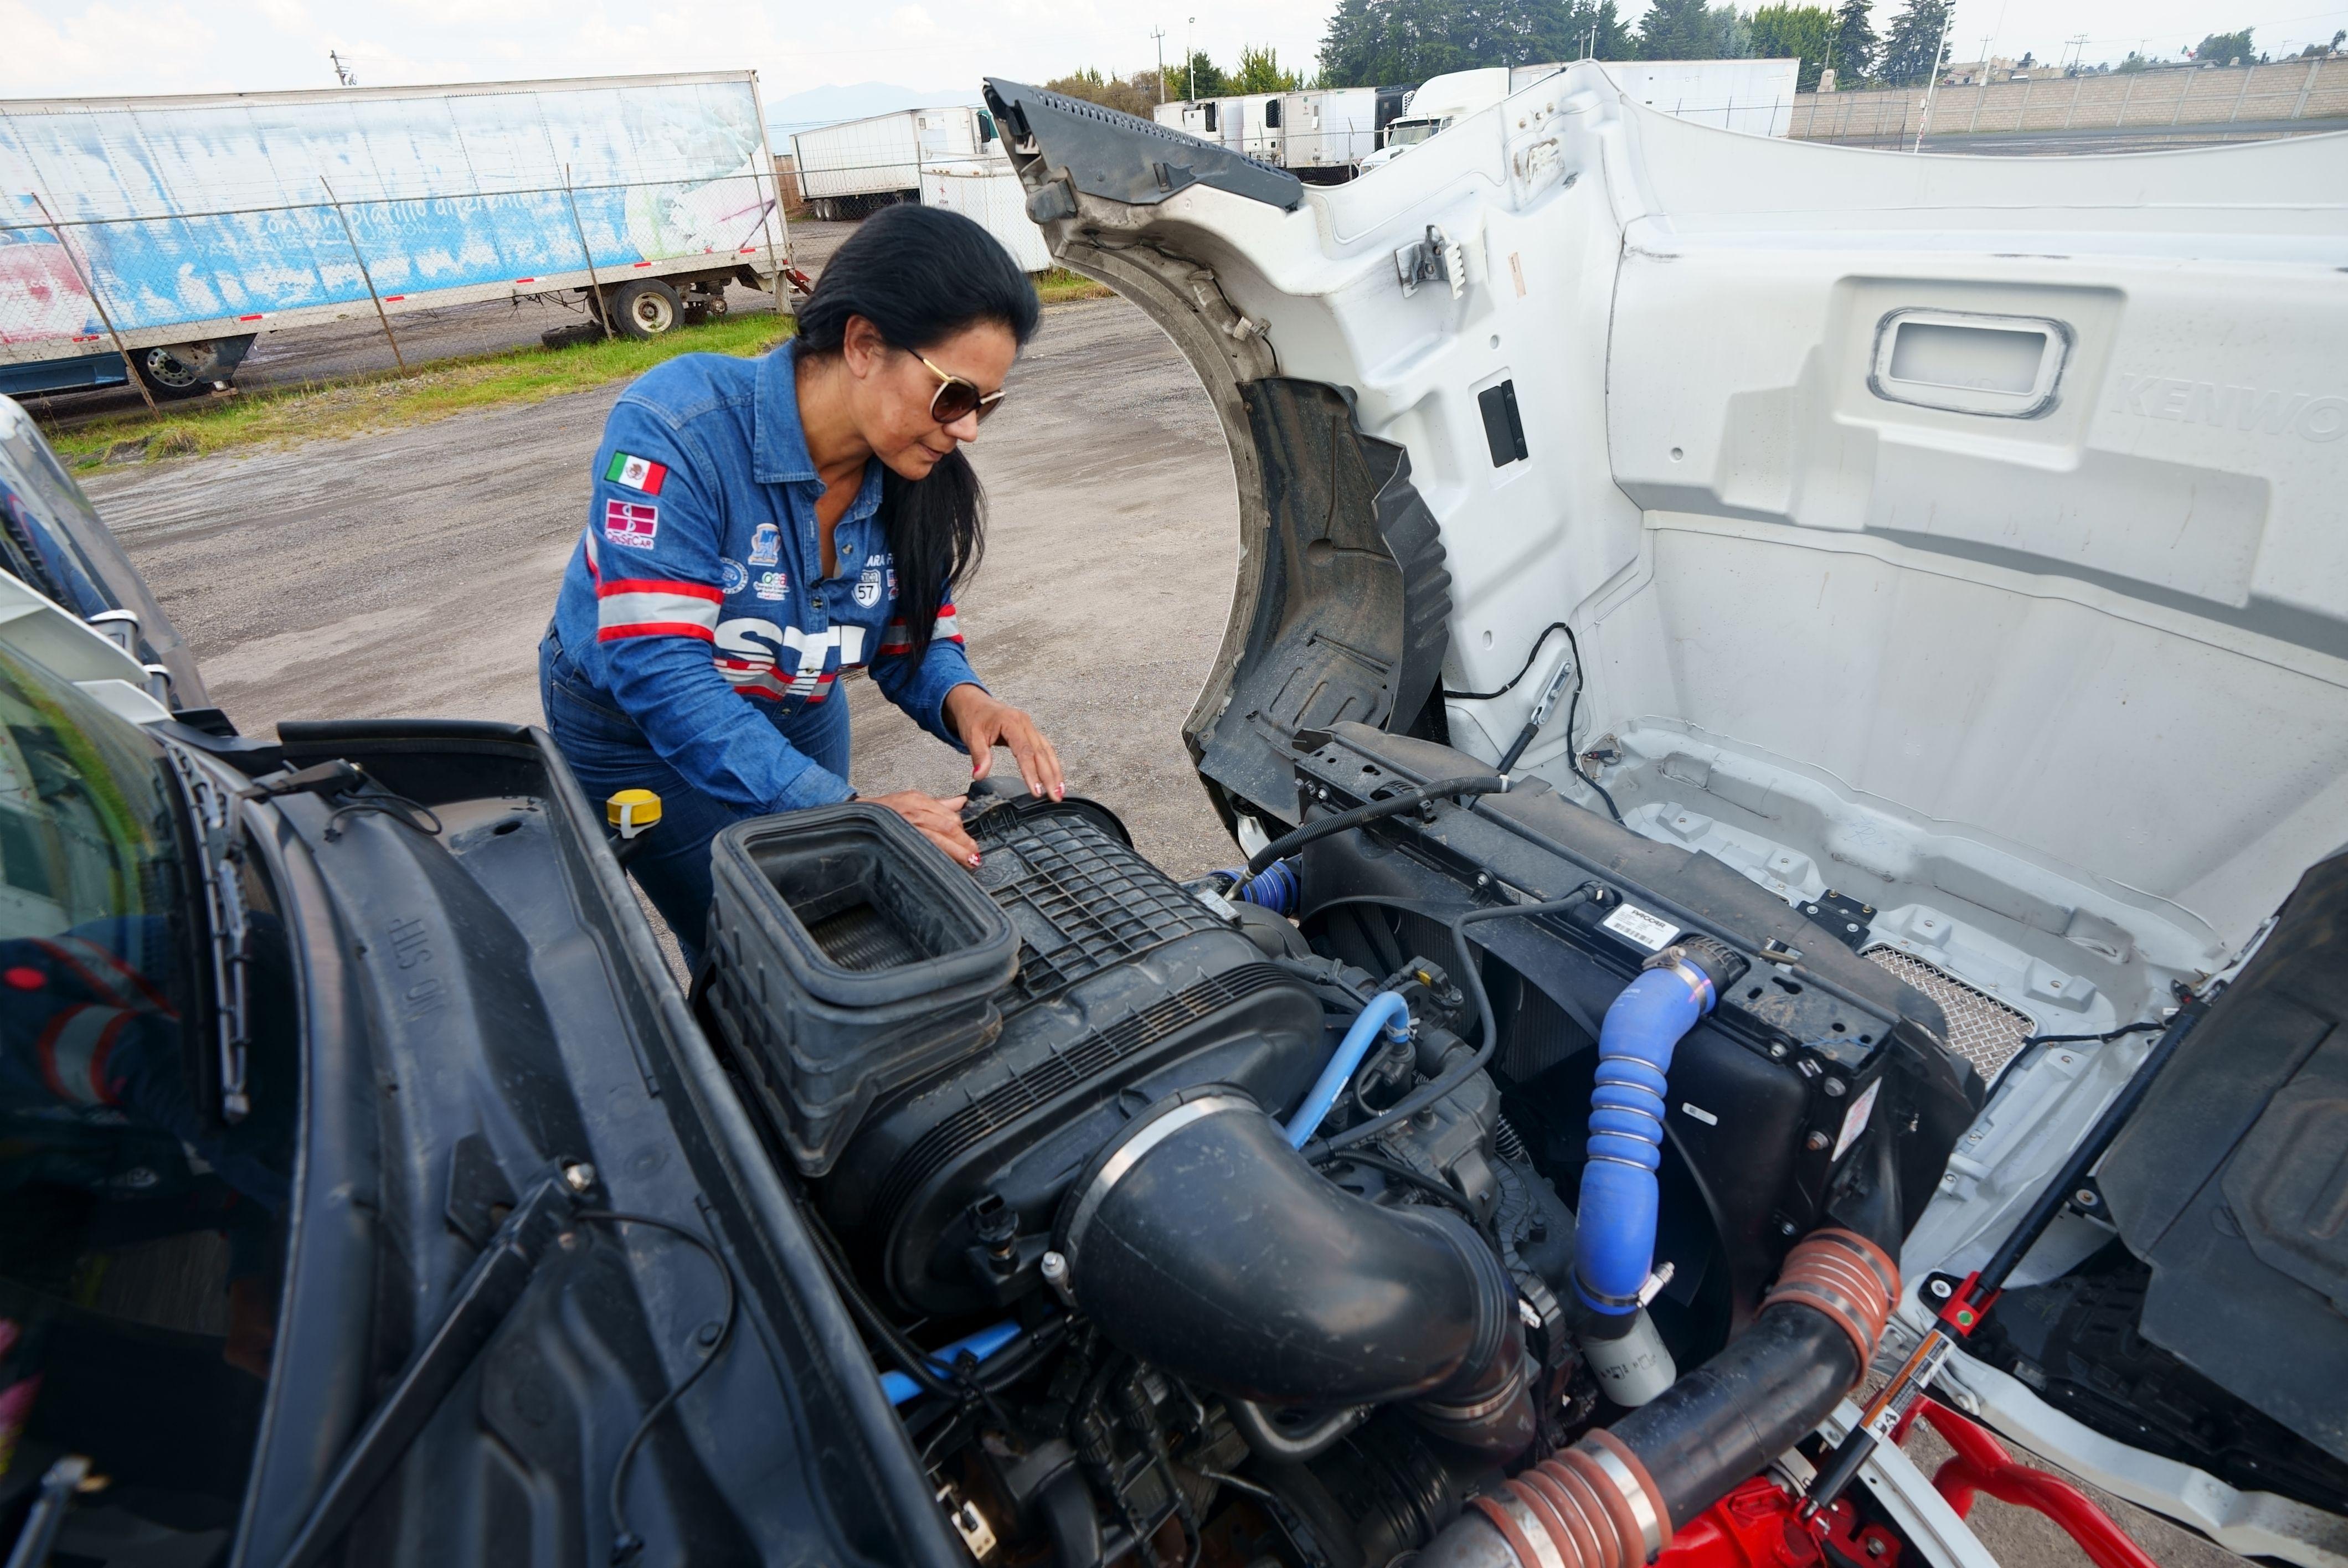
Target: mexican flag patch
{"points": [[636, 472]]}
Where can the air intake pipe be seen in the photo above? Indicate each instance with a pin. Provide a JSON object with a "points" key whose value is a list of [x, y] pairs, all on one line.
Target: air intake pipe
{"points": [[1201, 1243], [1613, 1499]]}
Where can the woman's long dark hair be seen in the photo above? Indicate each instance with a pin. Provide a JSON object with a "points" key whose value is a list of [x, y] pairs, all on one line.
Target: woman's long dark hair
{"points": [[920, 276]]}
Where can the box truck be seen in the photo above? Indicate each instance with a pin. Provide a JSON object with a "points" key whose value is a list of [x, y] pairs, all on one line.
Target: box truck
{"points": [[987, 190], [1326, 133], [847, 169], [1247, 123], [169, 231]]}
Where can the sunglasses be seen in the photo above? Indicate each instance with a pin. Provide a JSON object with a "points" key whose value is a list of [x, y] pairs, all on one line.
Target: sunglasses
{"points": [[957, 396]]}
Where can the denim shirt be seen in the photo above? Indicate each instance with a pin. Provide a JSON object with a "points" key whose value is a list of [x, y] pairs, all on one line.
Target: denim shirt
{"points": [[697, 602]]}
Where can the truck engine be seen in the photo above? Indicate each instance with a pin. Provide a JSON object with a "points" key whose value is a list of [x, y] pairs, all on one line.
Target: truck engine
{"points": [[1467, 1176]]}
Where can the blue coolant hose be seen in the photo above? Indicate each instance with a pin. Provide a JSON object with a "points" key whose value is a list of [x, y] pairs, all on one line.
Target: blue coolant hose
{"points": [[1614, 1233], [899, 1387], [1387, 1010], [1274, 887]]}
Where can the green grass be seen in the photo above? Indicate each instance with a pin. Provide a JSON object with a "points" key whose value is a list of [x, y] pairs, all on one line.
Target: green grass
{"points": [[1059, 285], [392, 398]]}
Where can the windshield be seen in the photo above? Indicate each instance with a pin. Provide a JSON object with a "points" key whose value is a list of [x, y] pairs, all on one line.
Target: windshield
{"points": [[140, 1234], [1409, 132]]}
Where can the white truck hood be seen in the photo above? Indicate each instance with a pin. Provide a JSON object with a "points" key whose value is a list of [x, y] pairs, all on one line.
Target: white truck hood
{"points": [[1955, 543]]}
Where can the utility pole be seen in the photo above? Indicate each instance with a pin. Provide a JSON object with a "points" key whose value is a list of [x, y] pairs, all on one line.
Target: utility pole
{"points": [[1189, 62], [1932, 85], [1159, 33], [343, 74]]}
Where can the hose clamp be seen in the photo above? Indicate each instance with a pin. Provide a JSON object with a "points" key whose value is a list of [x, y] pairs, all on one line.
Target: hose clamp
{"points": [[1698, 983], [1642, 1507], [1129, 1154]]}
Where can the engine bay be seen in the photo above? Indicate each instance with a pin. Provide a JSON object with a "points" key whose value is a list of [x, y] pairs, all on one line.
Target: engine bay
{"points": [[1475, 1177]]}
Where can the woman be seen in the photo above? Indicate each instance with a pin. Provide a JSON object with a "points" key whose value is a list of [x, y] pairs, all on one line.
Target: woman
{"points": [[758, 527]]}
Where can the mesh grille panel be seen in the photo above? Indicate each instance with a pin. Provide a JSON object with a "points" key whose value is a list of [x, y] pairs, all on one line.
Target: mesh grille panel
{"points": [[1982, 1029]]}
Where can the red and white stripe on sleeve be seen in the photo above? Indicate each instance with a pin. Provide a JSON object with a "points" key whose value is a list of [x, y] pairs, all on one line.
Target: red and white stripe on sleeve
{"points": [[895, 640], [652, 607], [73, 1050]]}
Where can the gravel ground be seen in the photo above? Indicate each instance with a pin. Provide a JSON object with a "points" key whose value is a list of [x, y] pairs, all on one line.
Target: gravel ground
{"points": [[410, 573]]}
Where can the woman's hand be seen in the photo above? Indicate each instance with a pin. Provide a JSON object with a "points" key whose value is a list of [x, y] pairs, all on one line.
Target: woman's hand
{"points": [[940, 821], [984, 723]]}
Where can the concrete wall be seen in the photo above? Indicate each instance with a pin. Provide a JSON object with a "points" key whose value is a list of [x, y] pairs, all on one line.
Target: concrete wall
{"points": [[2139, 100]]}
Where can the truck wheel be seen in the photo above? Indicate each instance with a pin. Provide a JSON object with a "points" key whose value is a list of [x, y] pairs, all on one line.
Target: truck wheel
{"points": [[176, 370], [645, 307]]}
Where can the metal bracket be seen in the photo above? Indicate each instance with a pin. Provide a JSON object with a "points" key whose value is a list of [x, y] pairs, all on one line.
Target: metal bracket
{"points": [[1429, 260]]}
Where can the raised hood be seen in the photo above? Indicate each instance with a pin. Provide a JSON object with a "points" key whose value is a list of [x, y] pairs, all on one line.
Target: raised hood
{"points": [[1957, 534]]}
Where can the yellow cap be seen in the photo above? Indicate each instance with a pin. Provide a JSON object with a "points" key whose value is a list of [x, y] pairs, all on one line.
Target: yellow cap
{"points": [[631, 810]]}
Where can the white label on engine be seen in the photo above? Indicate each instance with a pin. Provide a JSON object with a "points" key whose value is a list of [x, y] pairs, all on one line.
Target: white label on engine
{"points": [[1647, 931], [1854, 1120]]}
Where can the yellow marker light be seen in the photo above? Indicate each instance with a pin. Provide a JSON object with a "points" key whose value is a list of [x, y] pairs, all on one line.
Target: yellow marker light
{"points": [[631, 810]]}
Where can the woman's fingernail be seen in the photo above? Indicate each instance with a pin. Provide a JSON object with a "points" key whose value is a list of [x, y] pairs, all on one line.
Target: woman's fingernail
{"points": [[974, 860]]}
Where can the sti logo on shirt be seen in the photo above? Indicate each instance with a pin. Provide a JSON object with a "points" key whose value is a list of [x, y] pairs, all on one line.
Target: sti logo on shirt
{"points": [[630, 527]]}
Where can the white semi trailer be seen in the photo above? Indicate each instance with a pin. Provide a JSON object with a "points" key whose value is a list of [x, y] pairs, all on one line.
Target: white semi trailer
{"points": [[847, 169], [158, 237], [1247, 123], [1326, 132]]}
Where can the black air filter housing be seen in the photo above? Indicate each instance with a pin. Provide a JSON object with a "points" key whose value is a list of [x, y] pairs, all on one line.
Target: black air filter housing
{"points": [[1129, 989], [850, 958]]}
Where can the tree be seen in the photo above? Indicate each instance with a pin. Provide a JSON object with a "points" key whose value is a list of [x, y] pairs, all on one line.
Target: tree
{"points": [[1853, 49], [2222, 49], [1911, 50], [2133, 64], [1260, 72], [1134, 96], [1804, 32], [1373, 42], [1197, 77], [1691, 30]]}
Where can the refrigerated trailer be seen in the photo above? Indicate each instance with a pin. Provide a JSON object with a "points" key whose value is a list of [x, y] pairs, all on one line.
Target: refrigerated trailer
{"points": [[1326, 133], [1247, 123], [847, 169], [169, 232], [987, 192]]}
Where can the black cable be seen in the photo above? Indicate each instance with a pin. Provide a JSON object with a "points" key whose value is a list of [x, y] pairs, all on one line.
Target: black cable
{"points": [[398, 807], [910, 1358], [1573, 705], [1400, 1171], [626, 1544], [2147, 1026], [1426, 1095], [1530, 655], [1321, 827]]}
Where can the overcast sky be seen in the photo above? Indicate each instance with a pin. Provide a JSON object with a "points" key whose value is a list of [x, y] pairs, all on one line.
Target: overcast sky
{"points": [[71, 48]]}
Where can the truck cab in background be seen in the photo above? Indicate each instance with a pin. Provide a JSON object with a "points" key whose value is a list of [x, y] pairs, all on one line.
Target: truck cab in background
{"points": [[1437, 104]]}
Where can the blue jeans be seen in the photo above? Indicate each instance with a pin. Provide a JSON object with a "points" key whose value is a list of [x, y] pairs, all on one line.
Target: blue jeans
{"points": [[608, 754]]}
